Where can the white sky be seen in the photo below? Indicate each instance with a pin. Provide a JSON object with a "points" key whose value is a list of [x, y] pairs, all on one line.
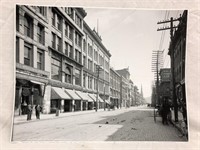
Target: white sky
{"points": [[131, 36]]}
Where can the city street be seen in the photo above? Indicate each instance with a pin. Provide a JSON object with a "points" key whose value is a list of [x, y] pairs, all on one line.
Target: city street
{"points": [[131, 124]]}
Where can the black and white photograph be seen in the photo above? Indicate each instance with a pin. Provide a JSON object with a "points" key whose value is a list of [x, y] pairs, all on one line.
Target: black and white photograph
{"points": [[100, 74]]}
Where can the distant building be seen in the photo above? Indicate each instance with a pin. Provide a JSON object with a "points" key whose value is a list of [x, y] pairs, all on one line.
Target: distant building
{"points": [[115, 81], [125, 92]]}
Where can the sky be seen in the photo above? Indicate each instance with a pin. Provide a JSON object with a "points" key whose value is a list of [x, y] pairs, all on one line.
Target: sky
{"points": [[131, 36]]}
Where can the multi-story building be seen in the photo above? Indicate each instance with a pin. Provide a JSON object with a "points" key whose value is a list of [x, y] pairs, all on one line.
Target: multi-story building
{"points": [[125, 90], [56, 55], [96, 68], [115, 80], [177, 52], [132, 98]]}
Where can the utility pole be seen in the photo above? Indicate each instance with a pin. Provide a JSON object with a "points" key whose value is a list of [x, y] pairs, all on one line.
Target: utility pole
{"points": [[97, 86], [157, 63], [171, 53]]}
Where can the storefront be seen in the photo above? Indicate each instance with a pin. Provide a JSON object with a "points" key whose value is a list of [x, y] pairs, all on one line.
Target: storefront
{"points": [[76, 100], [28, 92], [60, 100]]}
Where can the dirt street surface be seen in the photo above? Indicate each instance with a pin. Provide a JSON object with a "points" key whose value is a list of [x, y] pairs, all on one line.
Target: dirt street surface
{"points": [[131, 124]]}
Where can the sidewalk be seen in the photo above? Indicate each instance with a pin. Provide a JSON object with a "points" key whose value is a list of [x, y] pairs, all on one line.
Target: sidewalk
{"points": [[23, 118], [180, 125]]}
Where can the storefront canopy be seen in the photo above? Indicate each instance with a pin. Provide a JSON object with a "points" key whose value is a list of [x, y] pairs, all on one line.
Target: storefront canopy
{"points": [[72, 94], [92, 96], [58, 93], [84, 96]]}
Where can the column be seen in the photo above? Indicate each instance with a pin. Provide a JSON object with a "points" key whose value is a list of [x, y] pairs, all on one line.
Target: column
{"points": [[86, 106], [47, 100], [81, 105], [21, 51], [62, 106], [73, 103]]}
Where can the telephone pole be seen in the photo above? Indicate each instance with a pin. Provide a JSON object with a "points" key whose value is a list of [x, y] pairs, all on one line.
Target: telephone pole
{"points": [[157, 63], [171, 53]]}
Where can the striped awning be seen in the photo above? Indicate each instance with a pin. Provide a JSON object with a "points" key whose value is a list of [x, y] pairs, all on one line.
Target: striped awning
{"points": [[58, 93], [72, 94], [84, 96]]}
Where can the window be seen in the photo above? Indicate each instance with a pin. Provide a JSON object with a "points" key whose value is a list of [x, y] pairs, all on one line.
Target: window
{"points": [[78, 21], [66, 29], [59, 45], [40, 59], [17, 49], [17, 18], [78, 39], [78, 56], [28, 53], [40, 34], [77, 77], [68, 74], [70, 33], [53, 40], [53, 18], [59, 23], [84, 61], [70, 12], [28, 26], [84, 45], [56, 67], [41, 10], [70, 51], [66, 49], [84, 79], [89, 64]]}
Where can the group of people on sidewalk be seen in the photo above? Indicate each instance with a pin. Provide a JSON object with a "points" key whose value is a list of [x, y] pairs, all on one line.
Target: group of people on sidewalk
{"points": [[38, 109]]}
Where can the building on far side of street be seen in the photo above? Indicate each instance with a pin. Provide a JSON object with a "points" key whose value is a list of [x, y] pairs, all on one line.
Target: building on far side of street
{"points": [[115, 80]]}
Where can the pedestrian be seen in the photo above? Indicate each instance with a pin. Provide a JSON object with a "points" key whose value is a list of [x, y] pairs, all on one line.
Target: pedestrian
{"points": [[38, 109], [165, 111], [29, 112]]}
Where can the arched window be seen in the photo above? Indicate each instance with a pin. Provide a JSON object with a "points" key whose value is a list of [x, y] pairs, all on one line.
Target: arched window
{"points": [[28, 26]]}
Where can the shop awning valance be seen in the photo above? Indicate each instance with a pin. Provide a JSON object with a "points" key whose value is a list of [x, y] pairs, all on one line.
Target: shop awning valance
{"points": [[58, 93]]}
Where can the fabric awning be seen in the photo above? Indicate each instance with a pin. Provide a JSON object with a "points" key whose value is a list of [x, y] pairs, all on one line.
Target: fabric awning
{"points": [[100, 99], [92, 96], [36, 82], [84, 96], [72, 94], [107, 102], [58, 93]]}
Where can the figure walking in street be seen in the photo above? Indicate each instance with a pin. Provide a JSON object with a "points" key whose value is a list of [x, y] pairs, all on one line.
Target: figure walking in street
{"points": [[29, 112], [165, 111], [38, 109]]}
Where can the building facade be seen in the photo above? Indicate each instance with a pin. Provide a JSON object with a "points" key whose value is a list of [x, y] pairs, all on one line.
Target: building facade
{"points": [[115, 80], [56, 58], [177, 51]]}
